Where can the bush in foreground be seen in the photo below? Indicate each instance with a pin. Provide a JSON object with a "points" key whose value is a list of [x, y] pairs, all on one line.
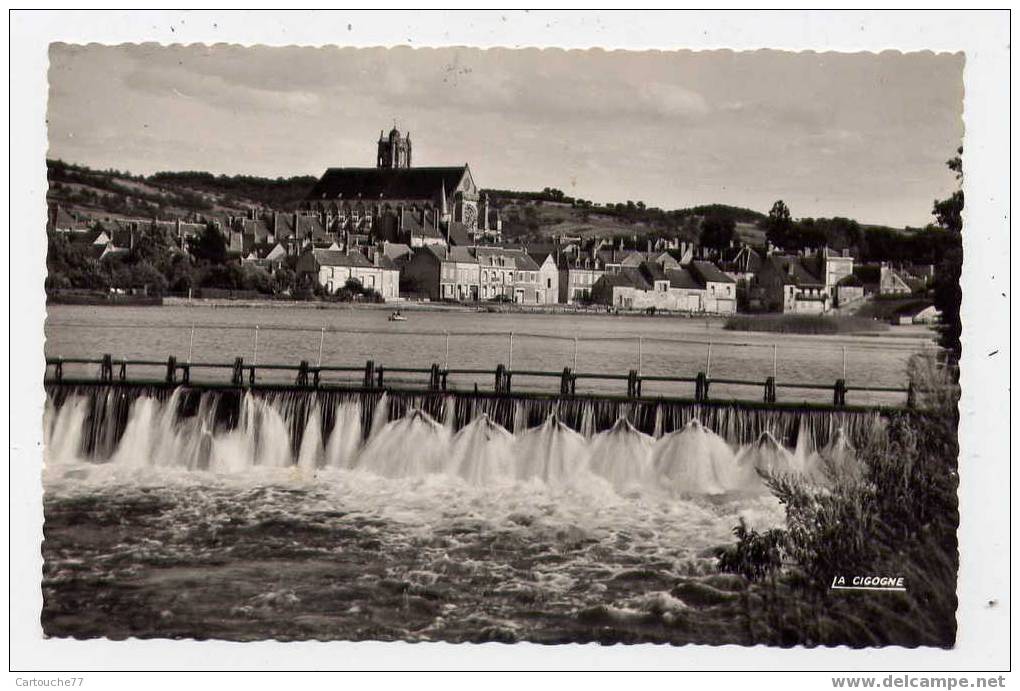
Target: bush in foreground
{"points": [[893, 513]]}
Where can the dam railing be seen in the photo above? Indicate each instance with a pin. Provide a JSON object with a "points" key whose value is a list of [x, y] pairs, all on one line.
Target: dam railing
{"points": [[436, 378]]}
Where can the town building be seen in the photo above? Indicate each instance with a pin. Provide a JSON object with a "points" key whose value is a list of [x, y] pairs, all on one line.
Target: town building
{"points": [[332, 268], [441, 273], [548, 274], [578, 274], [699, 287], [720, 289], [808, 283]]}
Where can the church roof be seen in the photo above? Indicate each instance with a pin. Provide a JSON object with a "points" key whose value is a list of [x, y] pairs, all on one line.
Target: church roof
{"points": [[386, 183], [459, 234]]}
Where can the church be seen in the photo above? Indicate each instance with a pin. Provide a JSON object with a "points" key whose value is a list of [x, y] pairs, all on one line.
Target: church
{"points": [[398, 202]]}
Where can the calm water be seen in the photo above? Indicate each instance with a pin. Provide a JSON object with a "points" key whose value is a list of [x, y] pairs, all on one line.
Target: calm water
{"points": [[287, 335]]}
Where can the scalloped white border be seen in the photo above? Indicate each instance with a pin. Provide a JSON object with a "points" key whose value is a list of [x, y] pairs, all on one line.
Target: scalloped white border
{"points": [[984, 435]]}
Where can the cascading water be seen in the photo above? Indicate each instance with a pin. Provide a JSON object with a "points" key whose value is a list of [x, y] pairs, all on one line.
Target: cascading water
{"points": [[699, 451]]}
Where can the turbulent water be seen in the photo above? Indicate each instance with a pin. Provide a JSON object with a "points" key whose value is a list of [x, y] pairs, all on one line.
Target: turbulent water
{"points": [[346, 517]]}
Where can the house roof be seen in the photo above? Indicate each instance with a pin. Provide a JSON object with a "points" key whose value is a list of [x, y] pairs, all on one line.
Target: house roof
{"points": [[306, 225], [636, 277], [580, 262], [743, 259], [525, 262], [652, 272], [339, 258], [709, 272], [794, 271], [459, 234], [850, 280], [386, 183], [618, 279], [396, 250], [461, 254], [682, 278]]}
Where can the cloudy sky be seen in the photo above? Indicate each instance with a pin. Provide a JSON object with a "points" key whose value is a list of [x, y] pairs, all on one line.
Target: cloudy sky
{"points": [[859, 135]]}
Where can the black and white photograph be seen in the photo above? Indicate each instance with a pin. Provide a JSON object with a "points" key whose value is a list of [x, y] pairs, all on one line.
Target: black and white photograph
{"points": [[512, 345]]}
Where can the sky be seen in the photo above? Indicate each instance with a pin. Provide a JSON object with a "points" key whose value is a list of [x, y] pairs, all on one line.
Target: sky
{"points": [[862, 135]]}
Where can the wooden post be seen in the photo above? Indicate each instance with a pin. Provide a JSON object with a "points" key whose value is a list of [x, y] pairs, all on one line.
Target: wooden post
{"points": [[191, 343], [446, 359], [844, 363], [322, 339], [640, 352], [774, 358], [255, 355], [575, 354], [510, 359], [708, 364]]}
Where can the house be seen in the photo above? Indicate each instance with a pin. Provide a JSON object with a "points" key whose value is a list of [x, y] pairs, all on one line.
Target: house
{"points": [[62, 221], [650, 286], [699, 287], [498, 269], [784, 283], [578, 274], [720, 289], [442, 273], [331, 269], [548, 275], [527, 288], [269, 256]]}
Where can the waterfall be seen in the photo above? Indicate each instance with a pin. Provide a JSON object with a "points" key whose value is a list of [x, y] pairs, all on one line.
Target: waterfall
{"points": [[480, 439]]}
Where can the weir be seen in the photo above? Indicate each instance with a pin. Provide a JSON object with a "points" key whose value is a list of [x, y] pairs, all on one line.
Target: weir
{"points": [[91, 420], [285, 415]]}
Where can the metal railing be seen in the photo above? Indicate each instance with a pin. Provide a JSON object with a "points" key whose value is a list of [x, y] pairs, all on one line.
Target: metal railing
{"points": [[374, 377]]}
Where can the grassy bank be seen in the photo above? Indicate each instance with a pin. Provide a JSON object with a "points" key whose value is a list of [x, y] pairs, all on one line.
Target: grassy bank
{"points": [[812, 324], [889, 512]]}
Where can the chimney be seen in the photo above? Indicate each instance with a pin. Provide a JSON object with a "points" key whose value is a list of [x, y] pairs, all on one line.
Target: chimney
{"points": [[648, 244]]}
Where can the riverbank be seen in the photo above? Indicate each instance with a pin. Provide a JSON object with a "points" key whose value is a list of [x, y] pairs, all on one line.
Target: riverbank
{"points": [[458, 307], [804, 324]]}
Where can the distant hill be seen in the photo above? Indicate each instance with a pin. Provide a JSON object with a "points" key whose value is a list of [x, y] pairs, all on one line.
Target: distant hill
{"points": [[541, 215], [167, 195]]}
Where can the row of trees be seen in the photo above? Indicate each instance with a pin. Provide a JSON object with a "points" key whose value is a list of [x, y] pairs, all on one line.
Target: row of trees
{"points": [[157, 265]]}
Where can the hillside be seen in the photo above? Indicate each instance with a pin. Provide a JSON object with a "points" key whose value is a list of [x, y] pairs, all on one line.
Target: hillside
{"points": [[542, 215], [117, 194]]}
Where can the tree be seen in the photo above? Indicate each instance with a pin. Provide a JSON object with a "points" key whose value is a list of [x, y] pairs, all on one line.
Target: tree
{"points": [[209, 247], [718, 232], [153, 245], [947, 292], [779, 226]]}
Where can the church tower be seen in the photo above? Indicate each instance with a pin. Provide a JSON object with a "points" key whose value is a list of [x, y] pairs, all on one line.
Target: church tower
{"points": [[394, 151]]}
